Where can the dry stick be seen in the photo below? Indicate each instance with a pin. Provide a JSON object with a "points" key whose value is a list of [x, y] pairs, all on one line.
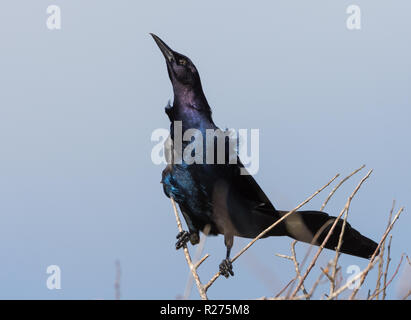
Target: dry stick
{"points": [[337, 254], [215, 277], [197, 255], [313, 241], [296, 266], [325, 271], [387, 231], [339, 185], [293, 258], [388, 283], [353, 280], [380, 273], [380, 265], [283, 256], [304, 296], [384, 293], [201, 261], [338, 277], [347, 205], [285, 288], [200, 286], [377, 288]]}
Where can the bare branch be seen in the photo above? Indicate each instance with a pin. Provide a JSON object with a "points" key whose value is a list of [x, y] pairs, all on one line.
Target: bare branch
{"points": [[285, 288], [387, 231], [201, 261], [388, 283], [200, 286], [380, 272], [337, 254], [384, 293], [199, 251], [350, 282], [339, 185], [284, 256], [293, 258], [297, 267]]}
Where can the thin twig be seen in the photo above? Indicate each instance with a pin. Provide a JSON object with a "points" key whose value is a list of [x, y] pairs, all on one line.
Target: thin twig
{"points": [[325, 271], [308, 295], [380, 272], [339, 185], [285, 288], [337, 254], [199, 251], [314, 241], [384, 293], [201, 261], [200, 286], [351, 281], [296, 266], [293, 258], [381, 264], [387, 231], [388, 283], [284, 256]]}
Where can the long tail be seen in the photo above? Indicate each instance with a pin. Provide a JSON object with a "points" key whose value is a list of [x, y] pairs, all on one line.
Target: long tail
{"points": [[307, 225]]}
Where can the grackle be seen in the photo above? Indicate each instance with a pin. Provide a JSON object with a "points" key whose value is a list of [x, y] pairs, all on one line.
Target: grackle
{"points": [[218, 195]]}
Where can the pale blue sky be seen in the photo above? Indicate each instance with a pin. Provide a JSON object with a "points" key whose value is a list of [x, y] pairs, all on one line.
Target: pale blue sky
{"points": [[77, 108]]}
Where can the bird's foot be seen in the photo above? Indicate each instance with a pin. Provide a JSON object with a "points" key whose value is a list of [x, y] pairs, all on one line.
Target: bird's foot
{"points": [[226, 268], [182, 238]]}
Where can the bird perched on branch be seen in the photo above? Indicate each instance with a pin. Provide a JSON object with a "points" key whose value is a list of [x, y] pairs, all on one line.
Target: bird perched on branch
{"points": [[219, 195]]}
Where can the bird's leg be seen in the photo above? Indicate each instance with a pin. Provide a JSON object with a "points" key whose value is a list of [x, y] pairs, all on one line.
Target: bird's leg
{"points": [[226, 267], [184, 236]]}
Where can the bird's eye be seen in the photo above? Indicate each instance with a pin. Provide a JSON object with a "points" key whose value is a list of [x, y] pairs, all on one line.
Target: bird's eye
{"points": [[182, 62]]}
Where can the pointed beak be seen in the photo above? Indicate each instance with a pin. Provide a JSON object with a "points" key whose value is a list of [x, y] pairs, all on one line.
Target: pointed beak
{"points": [[165, 49]]}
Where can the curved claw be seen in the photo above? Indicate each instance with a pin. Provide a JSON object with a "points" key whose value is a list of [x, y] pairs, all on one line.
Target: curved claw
{"points": [[182, 238], [226, 268]]}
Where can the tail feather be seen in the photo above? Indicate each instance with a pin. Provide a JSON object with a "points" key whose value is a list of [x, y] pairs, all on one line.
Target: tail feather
{"points": [[307, 226]]}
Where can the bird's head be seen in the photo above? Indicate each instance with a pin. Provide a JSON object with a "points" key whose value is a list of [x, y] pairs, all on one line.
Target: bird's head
{"points": [[190, 103], [182, 72]]}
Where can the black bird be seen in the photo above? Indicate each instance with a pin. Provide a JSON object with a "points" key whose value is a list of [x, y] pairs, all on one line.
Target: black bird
{"points": [[217, 195]]}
